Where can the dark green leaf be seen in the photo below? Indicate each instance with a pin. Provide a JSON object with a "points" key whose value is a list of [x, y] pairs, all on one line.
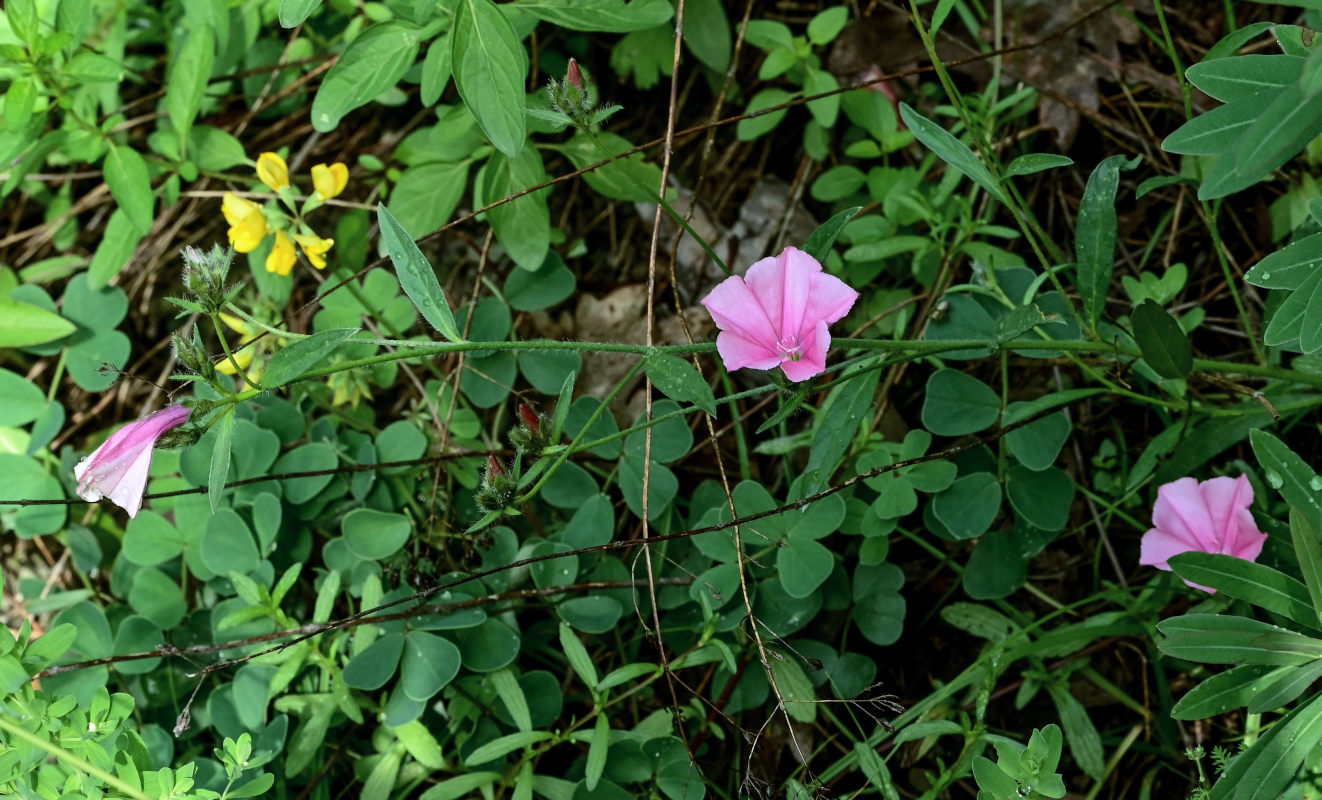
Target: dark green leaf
{"points": [[370, 669], [1228, 79], [956, 404], [1163, 343], [1225, 691], [679, 380], [603, 16], [416, 276], [1256, 583], [293, 12], [1293, 119], [130, 185], [1095, 238], [220, 458], [490, 66], [952, 151], [819, 243], [372, 63]]}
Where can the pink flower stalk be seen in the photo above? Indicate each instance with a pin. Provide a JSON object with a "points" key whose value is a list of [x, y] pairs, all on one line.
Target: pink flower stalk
{"points": [[118, 468], [776, 315], [1210, 517]]}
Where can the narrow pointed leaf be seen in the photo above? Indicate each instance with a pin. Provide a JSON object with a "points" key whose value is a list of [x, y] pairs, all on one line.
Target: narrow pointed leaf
{"points": [[416, 276]]}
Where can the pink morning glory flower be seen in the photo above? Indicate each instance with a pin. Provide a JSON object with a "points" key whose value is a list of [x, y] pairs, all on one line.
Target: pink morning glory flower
{"points": [[1210, 517], [776, 315], [118, 468]]}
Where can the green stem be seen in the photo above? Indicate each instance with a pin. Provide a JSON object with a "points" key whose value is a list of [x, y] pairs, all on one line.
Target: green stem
{"points": [[224, 345]]}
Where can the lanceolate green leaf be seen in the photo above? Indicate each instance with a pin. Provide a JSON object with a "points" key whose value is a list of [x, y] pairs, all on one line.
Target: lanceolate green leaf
{"points": [[26, 324], [952, 151], [1288, 474], [818, 244], [220, 458], [1256, 583], [837, 424], [678, 380], [1308, 550], [1287, 324], [416, 276], [523, 225], [1228, 79], [1218, 130], [1293, 119], [130, 185], [371, 64], [291, 362], [1222, 639], [604, 16], [1263, 772], [1285, 688], [490, 66], [1290, 266], [190, 70], [1225, 691], [1095, 239]]}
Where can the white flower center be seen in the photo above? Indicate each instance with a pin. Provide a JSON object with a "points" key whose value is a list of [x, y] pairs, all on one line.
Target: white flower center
{"points": [[789, 348]]}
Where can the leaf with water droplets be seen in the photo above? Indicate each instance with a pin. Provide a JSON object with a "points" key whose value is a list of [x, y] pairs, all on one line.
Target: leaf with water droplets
{"points": [[1287, 473], [416, 275]]}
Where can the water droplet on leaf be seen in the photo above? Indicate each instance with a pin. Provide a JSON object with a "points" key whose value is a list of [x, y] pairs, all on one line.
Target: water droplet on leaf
{"points": [[1274, 478]]}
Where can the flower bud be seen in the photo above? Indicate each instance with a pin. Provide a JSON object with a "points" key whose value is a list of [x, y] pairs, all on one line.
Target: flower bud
{"points": [[497, 488], [574, 76], [205, 274]]}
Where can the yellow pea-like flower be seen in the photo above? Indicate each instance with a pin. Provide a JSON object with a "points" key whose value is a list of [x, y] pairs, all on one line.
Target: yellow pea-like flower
{"points": [[247, 224], [329, 181], [243, 357], [273, 171], [315, 248], [282, 257]]}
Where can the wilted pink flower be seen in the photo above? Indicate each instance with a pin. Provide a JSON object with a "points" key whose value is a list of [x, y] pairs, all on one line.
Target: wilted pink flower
{"points": [[118, 468], [777, 315], [1210, 517]]}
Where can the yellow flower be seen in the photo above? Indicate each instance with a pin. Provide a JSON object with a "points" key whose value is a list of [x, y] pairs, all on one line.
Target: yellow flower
{"points": [[245, 355], [282, 257], [315, 248], [273, 171], [247, 224], [329, 181]]}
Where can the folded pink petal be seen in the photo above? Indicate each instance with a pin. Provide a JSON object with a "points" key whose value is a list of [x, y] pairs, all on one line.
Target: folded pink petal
{"points": [[118, 468], [1182, 511], [781, 284], [738, 352], [778, 314], [813, 359], [1209, 517], [735, 308], [829, 298]]}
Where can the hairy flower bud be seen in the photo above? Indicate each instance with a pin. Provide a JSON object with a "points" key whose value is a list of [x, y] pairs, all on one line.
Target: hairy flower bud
{"points": [[530, 435], [497, 488], [205, 274]]}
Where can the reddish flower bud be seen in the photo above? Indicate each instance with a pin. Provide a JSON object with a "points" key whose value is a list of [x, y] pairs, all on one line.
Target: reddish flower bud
{"points": [[574, 75], [494, 469], [529, 418]]}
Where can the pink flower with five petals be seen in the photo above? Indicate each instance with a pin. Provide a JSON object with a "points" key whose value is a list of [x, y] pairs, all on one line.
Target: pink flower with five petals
{"points": [[777, 315], [118, 468], [1210, 517]]}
